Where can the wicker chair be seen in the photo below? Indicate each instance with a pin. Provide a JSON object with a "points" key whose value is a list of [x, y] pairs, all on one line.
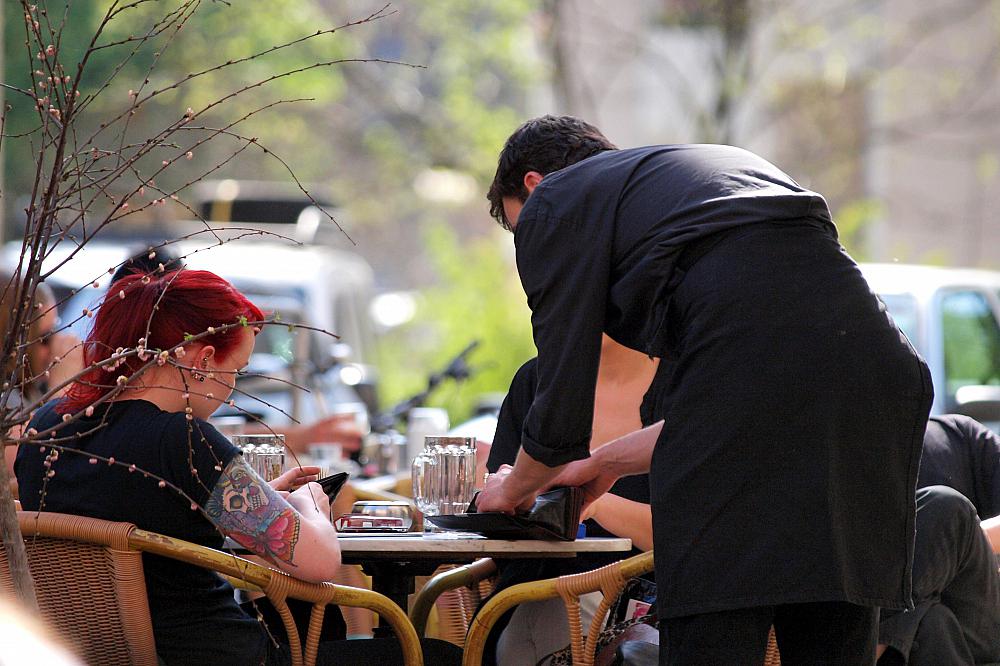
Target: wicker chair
{"points": [[456, 592], [609, 580], [90, 588]]}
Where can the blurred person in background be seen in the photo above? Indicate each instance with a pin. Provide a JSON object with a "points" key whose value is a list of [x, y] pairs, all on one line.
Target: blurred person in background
{"points": [[45, 346], [784, 375], [956, 585]]}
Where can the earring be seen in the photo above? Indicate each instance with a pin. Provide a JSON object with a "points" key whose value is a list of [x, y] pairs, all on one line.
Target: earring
{"points": [[197, 375]]}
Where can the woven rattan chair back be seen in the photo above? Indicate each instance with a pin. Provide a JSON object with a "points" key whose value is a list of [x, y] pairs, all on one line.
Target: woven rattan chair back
{"points": [[456, 607], [90, 586], [118, 565]]}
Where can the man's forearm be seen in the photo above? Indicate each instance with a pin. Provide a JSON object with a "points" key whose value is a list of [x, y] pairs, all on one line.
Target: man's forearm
{"points": [[528, 477], [628, 455]]}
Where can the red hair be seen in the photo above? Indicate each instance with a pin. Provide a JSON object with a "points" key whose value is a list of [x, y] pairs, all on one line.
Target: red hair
{"points": [[173, 305]]}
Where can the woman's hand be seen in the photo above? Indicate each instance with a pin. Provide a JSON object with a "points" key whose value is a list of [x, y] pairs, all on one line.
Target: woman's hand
{"points": [[310, 501], [295, 478], [590, 511]]}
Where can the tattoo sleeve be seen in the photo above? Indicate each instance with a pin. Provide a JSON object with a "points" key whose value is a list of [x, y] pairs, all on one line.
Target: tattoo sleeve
{"points": [[253, 514]]}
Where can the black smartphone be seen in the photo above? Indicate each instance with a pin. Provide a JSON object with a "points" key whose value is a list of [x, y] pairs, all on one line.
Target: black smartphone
{"points": [[333, 484]]}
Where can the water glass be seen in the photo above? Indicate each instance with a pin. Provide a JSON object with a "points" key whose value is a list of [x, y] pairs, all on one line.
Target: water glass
{"points": [[444, 475], [264, 453]]}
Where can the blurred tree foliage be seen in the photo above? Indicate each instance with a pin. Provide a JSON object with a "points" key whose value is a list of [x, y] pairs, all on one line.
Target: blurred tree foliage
{"points": [[370, 131], [478, 298]]}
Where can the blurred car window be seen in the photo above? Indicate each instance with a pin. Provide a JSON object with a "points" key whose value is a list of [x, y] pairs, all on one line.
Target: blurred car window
{"points": [[971, 341]]}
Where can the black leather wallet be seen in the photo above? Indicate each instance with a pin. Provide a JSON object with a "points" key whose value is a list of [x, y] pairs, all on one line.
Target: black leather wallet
{"points": [[333, 484], [555, 516]]}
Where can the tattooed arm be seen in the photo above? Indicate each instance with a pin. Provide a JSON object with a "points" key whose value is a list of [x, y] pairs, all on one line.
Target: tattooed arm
{"points": [[294, 532]]}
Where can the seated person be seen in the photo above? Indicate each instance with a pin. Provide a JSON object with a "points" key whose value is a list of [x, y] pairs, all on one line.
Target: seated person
{"points": [[45, 345], [538, 629], [956, 588], [130, 442]]}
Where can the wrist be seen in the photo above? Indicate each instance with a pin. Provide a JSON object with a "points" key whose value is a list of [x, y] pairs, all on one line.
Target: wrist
{"points": [[606, 464]]}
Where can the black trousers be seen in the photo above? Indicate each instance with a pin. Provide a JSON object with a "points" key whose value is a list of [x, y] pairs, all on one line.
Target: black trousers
{"points": [[956, 590], [828, 634]]}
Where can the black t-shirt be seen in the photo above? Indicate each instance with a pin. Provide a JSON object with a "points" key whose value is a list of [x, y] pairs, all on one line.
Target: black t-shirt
{"points": [[963, 454], [196, 619]]}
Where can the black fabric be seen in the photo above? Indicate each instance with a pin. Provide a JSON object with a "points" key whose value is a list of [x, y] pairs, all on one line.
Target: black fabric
{"points": [[963, 454], [831, 634], [956, 589], [333, 649], [792, 402], [196, 619], [793, 406]]}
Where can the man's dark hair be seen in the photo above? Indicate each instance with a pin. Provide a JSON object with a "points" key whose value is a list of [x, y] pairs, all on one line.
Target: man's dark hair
{"points": [[544, 144], [140, 262]]}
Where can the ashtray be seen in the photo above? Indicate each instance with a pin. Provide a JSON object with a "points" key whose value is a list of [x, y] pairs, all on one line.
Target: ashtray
{"points": [[377, 516], [358, 522]]}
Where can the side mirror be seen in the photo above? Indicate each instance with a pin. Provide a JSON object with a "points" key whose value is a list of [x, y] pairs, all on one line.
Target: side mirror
{"points": [[979, 402]]}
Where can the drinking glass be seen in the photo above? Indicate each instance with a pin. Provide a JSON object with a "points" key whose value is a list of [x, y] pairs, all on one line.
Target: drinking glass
{"points": [[264, 453], [457, 473], [426, 481], [444, 475]]}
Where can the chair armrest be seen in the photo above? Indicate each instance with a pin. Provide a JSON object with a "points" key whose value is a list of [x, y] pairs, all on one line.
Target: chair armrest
{"points": [[540, 590], [278, 586], [464, 576]]}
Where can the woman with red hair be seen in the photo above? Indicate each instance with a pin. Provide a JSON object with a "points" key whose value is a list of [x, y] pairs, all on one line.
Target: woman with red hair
{"points": [[130, 442]]}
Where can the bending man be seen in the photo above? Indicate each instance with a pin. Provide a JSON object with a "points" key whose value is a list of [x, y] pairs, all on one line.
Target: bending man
{"points": [[782, 484]]}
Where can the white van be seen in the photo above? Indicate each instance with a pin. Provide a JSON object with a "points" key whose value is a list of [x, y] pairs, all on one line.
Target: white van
{"points": [[307, 284], [952, 317]]}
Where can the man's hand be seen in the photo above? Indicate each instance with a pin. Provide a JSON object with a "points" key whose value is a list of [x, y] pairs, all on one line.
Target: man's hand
{"points": [[590, 476], [495, 495]]}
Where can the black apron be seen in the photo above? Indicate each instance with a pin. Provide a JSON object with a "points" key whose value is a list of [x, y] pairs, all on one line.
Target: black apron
{"points": [[794, 412]]}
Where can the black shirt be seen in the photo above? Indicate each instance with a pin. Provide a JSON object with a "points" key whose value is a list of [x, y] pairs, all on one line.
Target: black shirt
{"points": [[196, 619], [597, 244], [963, 454]]}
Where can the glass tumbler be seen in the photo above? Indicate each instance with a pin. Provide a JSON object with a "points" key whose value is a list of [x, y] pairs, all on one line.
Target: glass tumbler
{"points": [[264, 453], [426, 481], [457, 473]]}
